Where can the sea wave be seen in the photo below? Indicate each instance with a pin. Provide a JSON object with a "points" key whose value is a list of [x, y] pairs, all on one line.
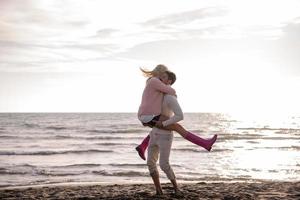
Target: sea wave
{"points": [[199, 150], [7, 137], [56, 127], [39, 172], [54, 152], [79, 165], [226, 137], [5, 172], [135, 165], [31, 125], [268, 129], [121, 173], [69, 137], [295, 148], [51, 172], [239, 137], [115, 143], [133, 130], [187, 149], [128, 165], [112, 137], [104, 137]]}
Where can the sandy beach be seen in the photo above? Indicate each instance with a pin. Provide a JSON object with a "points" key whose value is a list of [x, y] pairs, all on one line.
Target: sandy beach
{"points": [[200, 190]]}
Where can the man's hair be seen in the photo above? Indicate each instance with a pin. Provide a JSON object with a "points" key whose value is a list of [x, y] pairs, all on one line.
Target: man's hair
{"points": [[171, 76]]}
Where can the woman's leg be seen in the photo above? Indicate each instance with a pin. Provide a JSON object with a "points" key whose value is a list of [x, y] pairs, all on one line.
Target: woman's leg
{"points": [[205, 143], [141, 148]]}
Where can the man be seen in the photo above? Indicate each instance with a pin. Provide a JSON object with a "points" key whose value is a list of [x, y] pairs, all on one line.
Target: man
{"points": [[161, 140]]}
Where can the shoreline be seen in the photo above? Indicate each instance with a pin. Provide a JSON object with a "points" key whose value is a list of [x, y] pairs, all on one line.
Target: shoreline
{"points": [[71, 184], [200, 190]]}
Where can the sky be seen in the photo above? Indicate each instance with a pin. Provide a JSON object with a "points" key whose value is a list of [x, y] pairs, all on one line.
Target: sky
{"points": [[84, 56]]}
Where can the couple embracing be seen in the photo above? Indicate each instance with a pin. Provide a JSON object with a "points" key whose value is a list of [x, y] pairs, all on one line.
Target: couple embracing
{"points": [[161, 111]]}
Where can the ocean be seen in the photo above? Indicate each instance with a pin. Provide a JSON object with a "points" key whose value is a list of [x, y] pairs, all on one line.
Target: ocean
{"points": [[43, 148]]}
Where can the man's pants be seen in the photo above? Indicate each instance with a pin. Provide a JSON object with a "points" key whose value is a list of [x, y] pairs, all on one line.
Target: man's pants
{"points": [[160, 143]]}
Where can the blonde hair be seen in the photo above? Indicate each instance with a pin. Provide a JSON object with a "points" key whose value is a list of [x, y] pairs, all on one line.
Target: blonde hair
{"points": [[159, 69]]}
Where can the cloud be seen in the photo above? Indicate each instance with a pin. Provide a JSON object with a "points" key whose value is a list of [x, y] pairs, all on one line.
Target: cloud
{"points": [[193, 23], [40, 32], [35, 35], [186, 17], [32, 56], [32, 20], [187, 49], [286, 49], [104, 33], [275, 50], [208, 23], [210, 32]]}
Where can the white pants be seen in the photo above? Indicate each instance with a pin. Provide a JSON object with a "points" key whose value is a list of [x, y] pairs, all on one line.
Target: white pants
{"points": [[160, 143]]}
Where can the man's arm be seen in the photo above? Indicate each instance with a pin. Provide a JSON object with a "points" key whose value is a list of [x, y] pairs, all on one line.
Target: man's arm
{"points": [[175, 107], [160, 86]]}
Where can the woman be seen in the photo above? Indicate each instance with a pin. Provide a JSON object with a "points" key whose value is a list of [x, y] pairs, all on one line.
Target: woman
{"points": [[150, 111]]}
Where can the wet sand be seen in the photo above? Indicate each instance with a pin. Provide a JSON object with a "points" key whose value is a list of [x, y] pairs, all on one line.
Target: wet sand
{"points": [[201, 190]]}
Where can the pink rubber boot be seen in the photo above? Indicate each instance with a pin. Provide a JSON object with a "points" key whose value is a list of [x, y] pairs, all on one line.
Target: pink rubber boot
{"points": [[142, 147], [205, 143]]}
